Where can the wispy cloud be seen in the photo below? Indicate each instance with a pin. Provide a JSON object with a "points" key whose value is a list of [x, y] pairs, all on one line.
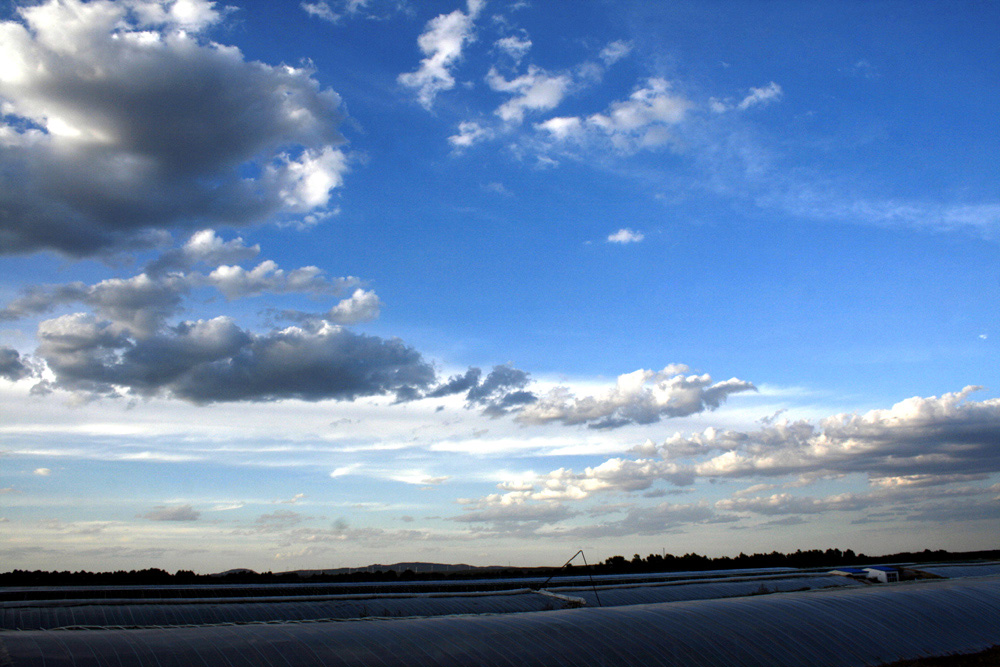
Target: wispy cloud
{"points": [[175, 513]]}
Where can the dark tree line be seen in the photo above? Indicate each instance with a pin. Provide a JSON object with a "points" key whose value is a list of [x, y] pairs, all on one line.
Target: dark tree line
{"points": [[812, 558]]}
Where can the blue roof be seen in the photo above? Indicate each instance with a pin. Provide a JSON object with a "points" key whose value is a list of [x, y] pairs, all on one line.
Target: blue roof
{"points": [[883, 568]]}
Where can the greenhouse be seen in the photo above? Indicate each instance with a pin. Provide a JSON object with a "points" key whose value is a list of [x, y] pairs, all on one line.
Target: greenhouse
{"points": [[65, 607], [843, 626], [954, 571]]}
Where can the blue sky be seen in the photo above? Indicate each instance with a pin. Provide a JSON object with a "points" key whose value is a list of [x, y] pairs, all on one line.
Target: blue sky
{"points": [[296, 285]]}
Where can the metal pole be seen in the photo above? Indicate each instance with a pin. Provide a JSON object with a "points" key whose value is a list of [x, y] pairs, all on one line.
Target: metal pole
{"points": [[589, 573]]}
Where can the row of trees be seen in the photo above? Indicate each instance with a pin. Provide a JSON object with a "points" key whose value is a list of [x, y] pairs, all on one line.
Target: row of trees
{"points": [[812, 558], [669, 562]]}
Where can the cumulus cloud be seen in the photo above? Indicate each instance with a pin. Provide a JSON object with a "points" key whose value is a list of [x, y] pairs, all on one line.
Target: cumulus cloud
{"points": [[123, 119], [174, 513], [914, 502], [441, 43], [614, 475], [141, 304], [42, 472], [361, 306], [514, 46], [626, 235], [208, 361], [236, 282], [204, 247], [924, 458], [469, 134], [785, 503], [640, 397], [643, 121], [13, 366], [946, 435], [502, 391], [537, 90]]}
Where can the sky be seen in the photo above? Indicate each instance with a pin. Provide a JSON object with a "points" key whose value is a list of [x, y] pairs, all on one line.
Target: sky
{"points": [[310, 285]]}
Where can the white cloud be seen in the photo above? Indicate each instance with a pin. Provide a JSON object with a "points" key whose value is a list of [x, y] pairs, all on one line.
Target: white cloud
{"points": [[537, 90], [562, 128], [235, 282], [761, 96], [336, 10], [441, 42], [784, 503], [923, 456], [643, 121], [321, 10], [469, 134], [121, 120], [640, 397], [362, 306], [345, 470], [203, 247], [946, 435], [186, 14], [514, 46], [43, 472], [140, 305], [626, 235], [227, 507], [615, 51]]}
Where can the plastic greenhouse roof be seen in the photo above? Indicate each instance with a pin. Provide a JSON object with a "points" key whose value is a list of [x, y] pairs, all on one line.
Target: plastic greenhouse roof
{"points": [[149, 613], [962, 570], [648, 594], [901, 621], [317, 589]]}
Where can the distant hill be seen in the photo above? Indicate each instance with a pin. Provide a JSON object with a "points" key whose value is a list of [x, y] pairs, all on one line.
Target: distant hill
{"points": [[415, 567]]}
